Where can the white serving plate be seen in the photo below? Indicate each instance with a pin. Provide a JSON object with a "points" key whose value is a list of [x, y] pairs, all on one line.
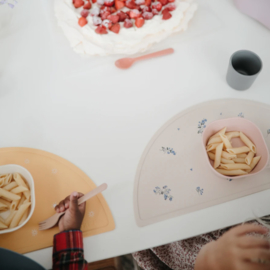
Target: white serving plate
{"points": [[11, 168]]}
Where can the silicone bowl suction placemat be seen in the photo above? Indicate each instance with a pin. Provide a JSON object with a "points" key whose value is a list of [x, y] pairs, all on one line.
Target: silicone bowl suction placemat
{"points": [[54, 178], [173, 177]]}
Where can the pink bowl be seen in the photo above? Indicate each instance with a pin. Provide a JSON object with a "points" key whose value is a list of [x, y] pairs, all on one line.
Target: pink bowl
{"points": [[249, 129]]}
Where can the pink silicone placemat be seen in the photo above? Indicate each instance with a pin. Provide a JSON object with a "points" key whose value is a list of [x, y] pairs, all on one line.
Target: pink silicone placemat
{"points": [[173, 177]]}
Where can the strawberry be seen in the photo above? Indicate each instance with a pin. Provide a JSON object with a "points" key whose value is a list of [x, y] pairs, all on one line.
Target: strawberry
{"points": [[105, 15], [147, 3], [157, 6], [155, 12], [130, 4], [128, 14], [109, 3], [101, 30], [119, 4], [139, 2], [128, 23], [82, 22], [146, 9], [148, 15], [78, 3], [113, 18], [94, 1], [84, 13], [88, 5], [171, 1], [165, 10], [97, 21], [139, 22], [134, 13], [163, 2], [122, 16], [95, 11], [107, 23], [166, 15], [115, 28], [113, 9], [105, 9], [171, 7]]}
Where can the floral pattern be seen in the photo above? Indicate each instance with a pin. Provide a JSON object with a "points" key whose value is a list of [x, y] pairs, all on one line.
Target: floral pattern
{"points": [[199, 190], [34, 232], [229, 179], [164, 191], [201, 126], [241, 115], [10, 3], [168, 150], [91, 214]]}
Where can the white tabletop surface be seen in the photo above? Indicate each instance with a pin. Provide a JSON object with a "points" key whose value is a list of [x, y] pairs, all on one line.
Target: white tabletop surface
{"points": [[101, 118]]}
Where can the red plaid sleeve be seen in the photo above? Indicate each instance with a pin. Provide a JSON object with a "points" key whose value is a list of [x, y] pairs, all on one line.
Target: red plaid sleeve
{"points": [[68, 251]]}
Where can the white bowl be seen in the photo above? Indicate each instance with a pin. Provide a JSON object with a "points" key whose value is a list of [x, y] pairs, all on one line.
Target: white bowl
{"points": [[5, 169]]}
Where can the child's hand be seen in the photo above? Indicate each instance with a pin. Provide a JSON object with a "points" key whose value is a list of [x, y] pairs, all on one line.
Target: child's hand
{"points": [[72, 219], [236, 251]]}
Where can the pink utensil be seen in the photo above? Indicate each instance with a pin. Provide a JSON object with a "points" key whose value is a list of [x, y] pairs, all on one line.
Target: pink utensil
{"points": [[126, 63], [250, 130], [52, 221]]}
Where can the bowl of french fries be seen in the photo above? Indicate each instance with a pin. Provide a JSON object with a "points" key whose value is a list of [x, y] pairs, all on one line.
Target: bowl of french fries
{"points": [[17, 197], [235, 148]]}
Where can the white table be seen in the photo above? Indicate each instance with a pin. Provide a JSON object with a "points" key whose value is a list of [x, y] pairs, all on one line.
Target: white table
{"points": [[101, 118]]}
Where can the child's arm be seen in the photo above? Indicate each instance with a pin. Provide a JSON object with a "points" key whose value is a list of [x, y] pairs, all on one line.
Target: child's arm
{"points": [[68, 244]]}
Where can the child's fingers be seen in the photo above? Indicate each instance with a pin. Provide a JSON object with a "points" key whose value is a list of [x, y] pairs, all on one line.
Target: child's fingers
{"points": [[60, 207], [254, 266], [253, 242], [256, 255], [248, 228]]}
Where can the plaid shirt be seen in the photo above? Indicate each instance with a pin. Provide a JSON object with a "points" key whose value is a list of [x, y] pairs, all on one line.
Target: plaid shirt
{"points": [[68, 251]]}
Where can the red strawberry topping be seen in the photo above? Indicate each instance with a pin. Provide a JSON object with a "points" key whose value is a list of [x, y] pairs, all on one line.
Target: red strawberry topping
{"points": [[94, 1], [101, 30], [134, 14], [82, 22], [146, 9], [171, 1], [128, 23], [148, 15], [157, 6], [155, 12], [107, 23], [115, 28], [147, 3], [119, 4], [130, 4], [139, 22], [84, 13], [97, 21], [113, 18], [166, 15], [165, 10], [122, 16], [88, 5], [163, 2], [95, 11], [171, 6], [109, 3], [113, 9], [105, 15], [78, 3]]}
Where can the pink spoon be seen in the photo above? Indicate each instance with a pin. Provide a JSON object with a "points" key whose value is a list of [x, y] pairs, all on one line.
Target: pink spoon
{"points": [[125, 63]]}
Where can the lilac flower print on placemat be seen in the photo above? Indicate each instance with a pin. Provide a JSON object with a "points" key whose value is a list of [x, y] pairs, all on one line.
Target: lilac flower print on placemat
{"points": [[167, 150], [241, 115], [201, 126], [10, 3], [165, 191], [199, 190]]}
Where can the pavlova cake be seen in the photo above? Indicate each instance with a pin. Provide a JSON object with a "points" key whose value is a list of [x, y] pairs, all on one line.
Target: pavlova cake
{"points": [[103, 27]]}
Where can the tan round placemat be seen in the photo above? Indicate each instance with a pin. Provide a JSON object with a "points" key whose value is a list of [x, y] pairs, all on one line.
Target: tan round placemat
{"points": [[173, 177], [54, 179]]}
